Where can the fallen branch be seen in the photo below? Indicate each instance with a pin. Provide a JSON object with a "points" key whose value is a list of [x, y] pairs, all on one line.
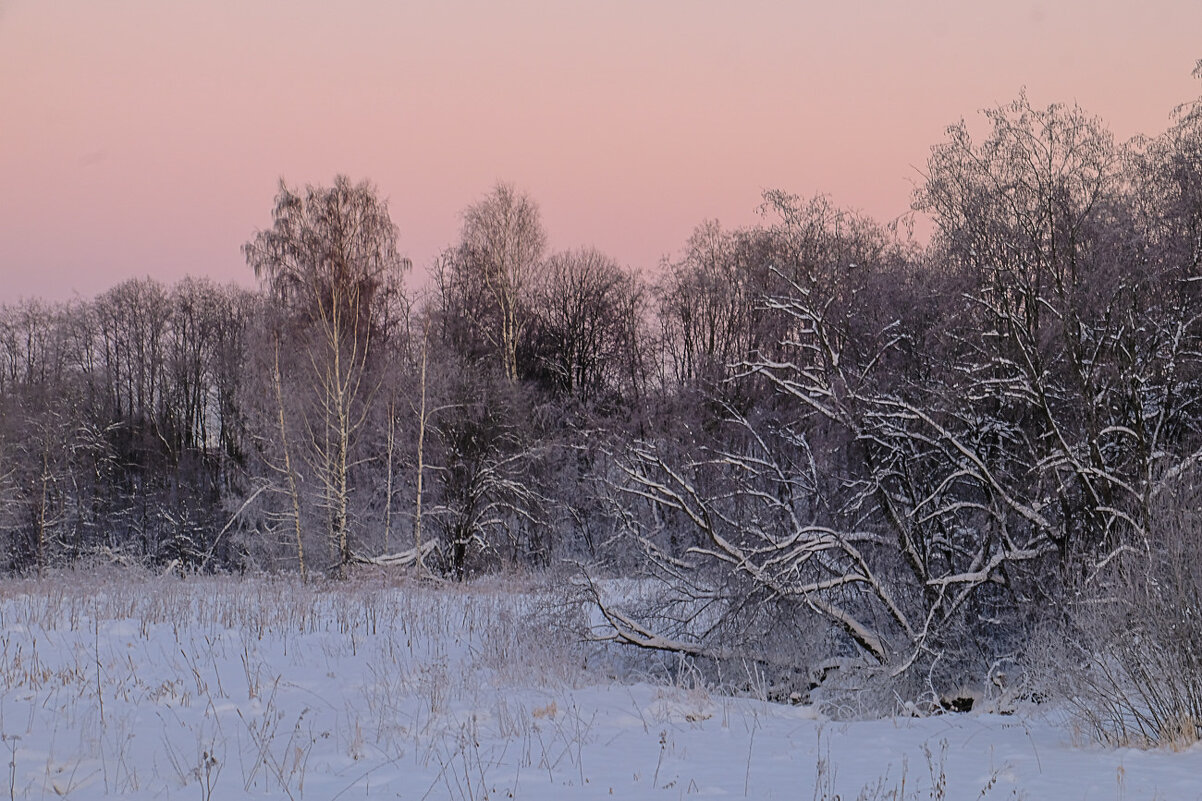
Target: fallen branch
{"points": [[399, 559]]}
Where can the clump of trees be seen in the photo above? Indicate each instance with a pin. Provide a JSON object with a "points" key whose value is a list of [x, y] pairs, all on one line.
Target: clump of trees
{"points": [[827, 445]]}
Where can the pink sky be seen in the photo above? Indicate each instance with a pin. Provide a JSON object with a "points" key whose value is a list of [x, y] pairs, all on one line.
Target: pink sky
{"points": [[146, 137]]}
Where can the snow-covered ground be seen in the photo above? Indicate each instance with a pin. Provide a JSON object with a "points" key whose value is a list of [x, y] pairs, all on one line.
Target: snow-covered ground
{"points": [[135, 687]]}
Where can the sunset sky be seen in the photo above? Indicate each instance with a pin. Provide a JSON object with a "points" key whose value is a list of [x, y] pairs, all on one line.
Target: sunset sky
{"points": [[147, 137]]}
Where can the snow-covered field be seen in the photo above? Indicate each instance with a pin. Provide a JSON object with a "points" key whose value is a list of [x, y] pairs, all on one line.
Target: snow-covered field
{"points": [[138, 687]]}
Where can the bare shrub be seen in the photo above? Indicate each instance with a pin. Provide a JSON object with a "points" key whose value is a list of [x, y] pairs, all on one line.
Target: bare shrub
{"points": [[1132, 667]]}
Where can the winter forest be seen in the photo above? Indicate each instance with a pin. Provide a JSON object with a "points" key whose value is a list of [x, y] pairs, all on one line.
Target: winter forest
{"points": [[850, 457]]}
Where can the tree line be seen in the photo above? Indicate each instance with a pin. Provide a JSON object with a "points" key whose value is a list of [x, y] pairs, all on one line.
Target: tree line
{"points": [[811, 429]]}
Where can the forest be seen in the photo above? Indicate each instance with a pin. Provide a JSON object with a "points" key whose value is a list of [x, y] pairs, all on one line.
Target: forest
{"points": [[823, 447]]}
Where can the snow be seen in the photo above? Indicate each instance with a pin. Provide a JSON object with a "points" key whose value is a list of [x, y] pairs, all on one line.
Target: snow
{"points": [[133, 687]]}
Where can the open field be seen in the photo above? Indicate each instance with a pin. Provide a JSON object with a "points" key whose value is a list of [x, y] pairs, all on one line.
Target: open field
{"points": [[129, 686]]}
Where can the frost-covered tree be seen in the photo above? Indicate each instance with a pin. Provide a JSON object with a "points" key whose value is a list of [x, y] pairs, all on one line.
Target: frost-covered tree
{"points": [[330, 257]]}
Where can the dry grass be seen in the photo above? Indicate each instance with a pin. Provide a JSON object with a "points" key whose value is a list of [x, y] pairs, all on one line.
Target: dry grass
{"points": [[221, 668]]}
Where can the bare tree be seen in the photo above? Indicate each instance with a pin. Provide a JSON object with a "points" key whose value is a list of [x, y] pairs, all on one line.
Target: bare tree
{"points": [[53, 453], [486, 280], [423, 421], [845, 478], [326, 257], [1022, 398], [706, 302], [1078, 331], [585, 342]]}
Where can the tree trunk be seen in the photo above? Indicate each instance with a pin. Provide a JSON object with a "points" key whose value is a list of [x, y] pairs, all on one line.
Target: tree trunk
{"points": [[292, 493], [421, 440]]}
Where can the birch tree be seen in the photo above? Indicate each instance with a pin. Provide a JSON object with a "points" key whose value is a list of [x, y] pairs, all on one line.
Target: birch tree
{"points": [[485, 282], [326, 258]]}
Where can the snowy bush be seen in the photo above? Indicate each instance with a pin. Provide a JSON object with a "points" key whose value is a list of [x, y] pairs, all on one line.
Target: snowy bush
{"points": [[1132, 665]]}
